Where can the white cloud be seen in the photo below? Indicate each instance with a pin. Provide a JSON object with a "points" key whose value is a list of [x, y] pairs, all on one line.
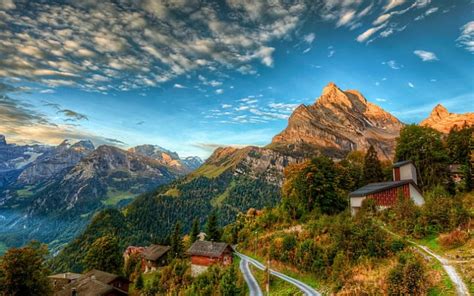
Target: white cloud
{"points": [[346, 18], [411, 85], [177, 85], [466, 39], [219, 91], [226, 106], [381, 19], [380, 100], [7, 4], [367, 34], [307, 50], [425, 56], [309, 38], [393, 64], [393, 3], [47, 91]]}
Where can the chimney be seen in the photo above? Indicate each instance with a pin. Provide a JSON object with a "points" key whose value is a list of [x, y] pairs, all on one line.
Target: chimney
{"points": [[404, 170]]}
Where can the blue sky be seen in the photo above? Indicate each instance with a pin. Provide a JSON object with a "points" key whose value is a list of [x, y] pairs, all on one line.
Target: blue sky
{"points": [[193, 75]]}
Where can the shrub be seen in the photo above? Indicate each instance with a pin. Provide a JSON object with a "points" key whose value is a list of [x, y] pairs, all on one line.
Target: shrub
{"points": [[408, 277], [453, 239]]}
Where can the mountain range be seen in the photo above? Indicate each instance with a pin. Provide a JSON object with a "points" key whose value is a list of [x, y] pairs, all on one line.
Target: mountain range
{"points": [[50, 193], [232, 180]]}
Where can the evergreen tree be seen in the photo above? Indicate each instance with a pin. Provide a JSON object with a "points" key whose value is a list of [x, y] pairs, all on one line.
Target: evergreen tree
{"points": [[228, 285], [176, 242], [313, 185], [194, 230], [139, 282], [212, 227], [468, 176], [372, 167], [423, 146], [23, 271], [104, 254]]}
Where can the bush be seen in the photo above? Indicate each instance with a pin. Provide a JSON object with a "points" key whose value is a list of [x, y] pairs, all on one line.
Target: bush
{"points": [[453, 239], [408, 277]]}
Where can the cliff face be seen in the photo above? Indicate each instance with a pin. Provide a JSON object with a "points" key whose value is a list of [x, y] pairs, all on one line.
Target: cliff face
{"points": [[442, 120], [340, 122]]}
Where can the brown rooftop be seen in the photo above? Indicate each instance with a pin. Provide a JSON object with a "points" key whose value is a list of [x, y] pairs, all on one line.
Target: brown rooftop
{"points": [[155, 252], [207, 249]]}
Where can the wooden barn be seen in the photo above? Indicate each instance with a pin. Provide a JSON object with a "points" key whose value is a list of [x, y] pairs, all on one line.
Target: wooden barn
{"points": [[155, 256], [96, 283], [385, 194], [205, 253]]}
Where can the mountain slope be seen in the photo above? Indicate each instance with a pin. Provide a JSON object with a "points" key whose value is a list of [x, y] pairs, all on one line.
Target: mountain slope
{"points": [[442, 120], [57, 194], [54, 161], [337, 123]]}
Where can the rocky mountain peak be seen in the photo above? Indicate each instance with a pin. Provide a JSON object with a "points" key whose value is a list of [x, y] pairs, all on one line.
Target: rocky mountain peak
{"points": [[338, 122], [442, 120], [84, 144], [3, 141], [439, 111]]}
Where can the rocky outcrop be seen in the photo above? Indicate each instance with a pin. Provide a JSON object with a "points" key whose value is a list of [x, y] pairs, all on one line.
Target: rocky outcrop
{"points": [[62, 157], [167, 157], [337, 123], [252, 162], [442, 120], [3, 141], [192, 162]]}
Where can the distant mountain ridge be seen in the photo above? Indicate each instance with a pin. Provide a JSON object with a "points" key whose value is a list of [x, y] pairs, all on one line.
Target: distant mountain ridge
{"points": [[340, 122], [49, 193], [442, 120]]}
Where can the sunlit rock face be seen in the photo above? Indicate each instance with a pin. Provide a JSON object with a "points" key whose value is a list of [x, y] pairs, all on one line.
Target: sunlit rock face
{"points": [[442, 120], [340, 122]]}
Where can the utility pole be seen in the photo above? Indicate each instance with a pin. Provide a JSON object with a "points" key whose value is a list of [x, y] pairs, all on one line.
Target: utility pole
{"points": [[268, 272], [256, 244]]}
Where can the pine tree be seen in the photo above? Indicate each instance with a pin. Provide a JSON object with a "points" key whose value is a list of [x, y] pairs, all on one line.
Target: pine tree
{"points": [[228, 285], [212, 228], [194, 230], [176, 242], [372, 167], [468, 176], [139, 282], [104, 254]]}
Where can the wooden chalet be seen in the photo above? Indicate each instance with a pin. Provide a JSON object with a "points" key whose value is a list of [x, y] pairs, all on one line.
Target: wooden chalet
{"points": [[155, 256], [205, 253], [96, 283], [60, 280], [385, 194]]}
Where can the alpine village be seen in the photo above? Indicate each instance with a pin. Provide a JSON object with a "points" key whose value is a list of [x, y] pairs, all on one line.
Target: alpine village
{"points": [[236, 148]]}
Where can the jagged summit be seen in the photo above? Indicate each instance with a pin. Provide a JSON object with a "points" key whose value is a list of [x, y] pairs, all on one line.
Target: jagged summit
{"points": [[338, 122], [442, 120], [3, 141]]}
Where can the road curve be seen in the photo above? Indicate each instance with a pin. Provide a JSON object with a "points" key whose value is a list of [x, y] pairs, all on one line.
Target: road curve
{"points": [[254, 288], [307, 290]]}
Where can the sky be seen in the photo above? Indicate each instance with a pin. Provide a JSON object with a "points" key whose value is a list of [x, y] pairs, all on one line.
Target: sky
{"points": [[193, 75]]}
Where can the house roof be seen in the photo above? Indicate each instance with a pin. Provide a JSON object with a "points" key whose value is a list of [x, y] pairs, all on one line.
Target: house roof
{"points": [[207, 249], [401, 163], [378, 187], [102, 276], [88, 286], [66, 275], [155, 252]]}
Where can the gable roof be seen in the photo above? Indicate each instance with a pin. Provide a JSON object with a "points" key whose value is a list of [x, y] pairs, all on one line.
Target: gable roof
{"points": [[66, 275], [208, 249], [381, 186], [102, 276], [88, 286], [401, 163], [155, 252]]}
